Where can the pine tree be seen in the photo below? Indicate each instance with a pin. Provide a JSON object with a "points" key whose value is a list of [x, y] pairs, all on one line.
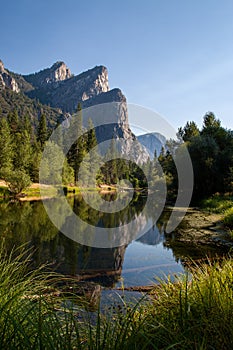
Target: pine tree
{"points": [[26, 125], [22, 151], [13, 121], [80, 154], [6, 147], [110, 170], [67, 174], [34, 163], [79, 107], [78, 149], [92, 149], [91, 136], [42, 134]]}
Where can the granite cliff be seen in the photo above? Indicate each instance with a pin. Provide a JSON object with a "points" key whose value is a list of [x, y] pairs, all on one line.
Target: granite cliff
{"points": [[153, 142], [59, 89], [6, 80]]}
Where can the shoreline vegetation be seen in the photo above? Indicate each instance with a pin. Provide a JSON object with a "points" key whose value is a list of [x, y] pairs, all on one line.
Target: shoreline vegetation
{"points": [[189, 313], [33, 191]]}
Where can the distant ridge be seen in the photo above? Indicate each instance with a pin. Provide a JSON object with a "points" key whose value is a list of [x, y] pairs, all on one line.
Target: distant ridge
{"points": [[153, 142]]}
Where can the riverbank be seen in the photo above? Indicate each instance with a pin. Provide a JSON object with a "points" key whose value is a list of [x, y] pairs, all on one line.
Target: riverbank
{"points": [[33, 192], [203, 228]]}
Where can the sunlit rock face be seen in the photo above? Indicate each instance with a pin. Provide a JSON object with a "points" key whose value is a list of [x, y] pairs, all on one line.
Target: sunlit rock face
{"points": [[57, 87], [153, 142], [6, 80], [58, 72]]}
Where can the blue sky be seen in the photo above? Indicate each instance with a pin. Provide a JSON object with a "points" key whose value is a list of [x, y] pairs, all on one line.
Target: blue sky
{"points": [[172, 56]]}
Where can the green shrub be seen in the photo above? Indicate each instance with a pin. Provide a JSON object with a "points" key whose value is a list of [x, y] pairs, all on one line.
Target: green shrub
{"points": [[228, 218], [17, 181], [217, 204]]}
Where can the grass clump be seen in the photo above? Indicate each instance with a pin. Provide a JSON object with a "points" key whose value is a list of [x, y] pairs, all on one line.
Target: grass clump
{"points": [[228, 217], [228, 221], [190, 313], [217, 204], [221, 205], [196, 313], [30, 317], [186, 314]]}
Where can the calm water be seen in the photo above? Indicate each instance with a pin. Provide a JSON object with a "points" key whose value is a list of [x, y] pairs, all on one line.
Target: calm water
{"points": [[138, 263]]}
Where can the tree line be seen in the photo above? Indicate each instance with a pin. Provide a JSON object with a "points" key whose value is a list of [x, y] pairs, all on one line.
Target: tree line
{"points": [[20, 149], [22, 145], [211, 151]]}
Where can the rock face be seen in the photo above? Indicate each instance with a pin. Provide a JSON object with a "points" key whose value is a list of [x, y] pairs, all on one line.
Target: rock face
{"points": [[1, 67], [58, 88], [58, 72], [153, 142], [6, 80], [111, 109], [53, 86]]}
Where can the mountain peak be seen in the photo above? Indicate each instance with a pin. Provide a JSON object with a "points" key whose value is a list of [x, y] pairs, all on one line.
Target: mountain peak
{"points": [[58, 64], [57, 72], [1, 67]]}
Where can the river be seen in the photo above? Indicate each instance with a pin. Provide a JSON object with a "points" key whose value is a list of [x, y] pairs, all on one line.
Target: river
{"points": [[140, 262]]}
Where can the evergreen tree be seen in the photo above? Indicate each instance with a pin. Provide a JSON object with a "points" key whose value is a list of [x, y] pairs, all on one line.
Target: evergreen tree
{"points": [[91, 136], [78, 149], [189, 131], [59, 136], [67, 173], [79, 107], [13, 121], [81, 152], [51, 164], [6, 147], [92, 149], [110, 170], [42, 133], [22, 151], [34, 163], [210, 121], [26, 125], [84, 170]]}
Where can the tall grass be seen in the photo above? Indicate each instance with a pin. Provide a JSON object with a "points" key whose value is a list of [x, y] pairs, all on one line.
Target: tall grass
{"points": [[187, 314], [30, 317], [196, 313], [228, 218]]}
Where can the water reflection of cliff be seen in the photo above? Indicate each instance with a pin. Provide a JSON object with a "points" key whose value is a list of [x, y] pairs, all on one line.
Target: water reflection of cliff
{"points": [[152, 237], [28, 223]]}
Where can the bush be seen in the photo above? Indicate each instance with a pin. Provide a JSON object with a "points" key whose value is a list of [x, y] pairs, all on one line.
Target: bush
{"points": [[217, 204], [17, 181], [228, 218]]}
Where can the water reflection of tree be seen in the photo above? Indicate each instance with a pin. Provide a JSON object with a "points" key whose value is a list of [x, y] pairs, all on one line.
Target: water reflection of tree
{"points": [[100, 218]]}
